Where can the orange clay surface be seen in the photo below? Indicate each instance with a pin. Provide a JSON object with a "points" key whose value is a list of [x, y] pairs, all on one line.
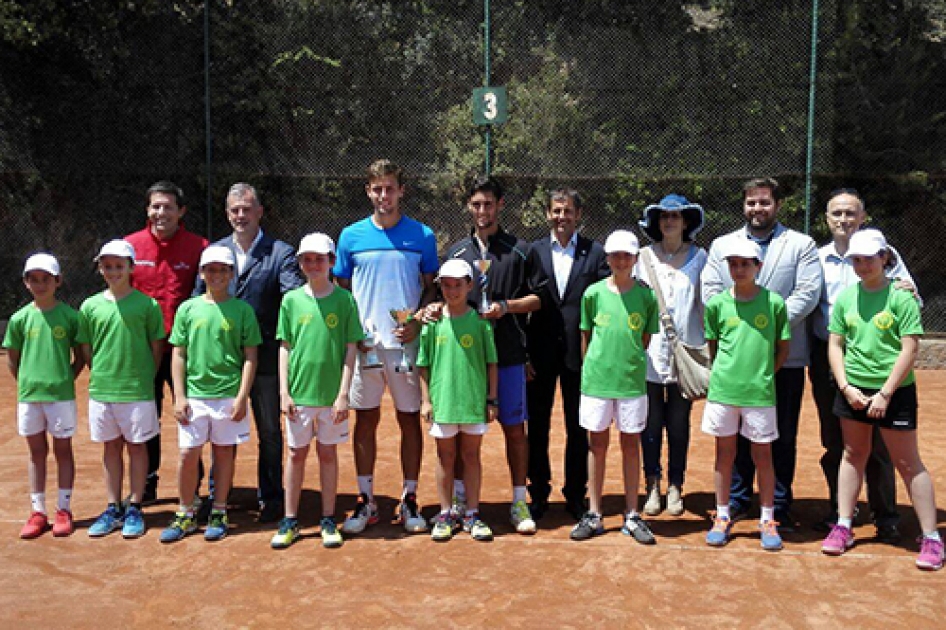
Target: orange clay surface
{"points": [[388, 578]]}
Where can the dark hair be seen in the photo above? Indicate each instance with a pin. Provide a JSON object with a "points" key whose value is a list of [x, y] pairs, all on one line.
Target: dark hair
{"points": [[383, 168], [167, 188], [485, 184], [763, 182], [566, 194]]}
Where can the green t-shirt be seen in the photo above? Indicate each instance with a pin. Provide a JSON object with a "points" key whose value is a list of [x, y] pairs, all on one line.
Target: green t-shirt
{"points": [[872, 324], [317, 331], [746, 334], [120, 334], [615, 364], [45, 340], [214, 335], [456, 350]]}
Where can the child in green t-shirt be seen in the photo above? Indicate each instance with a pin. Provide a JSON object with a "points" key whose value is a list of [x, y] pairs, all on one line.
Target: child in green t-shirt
{"points": [[748, 333], [459, 383], [319, 329], [875, 331], [121, 331], [618, 316], [43, 356], [213, 363]]}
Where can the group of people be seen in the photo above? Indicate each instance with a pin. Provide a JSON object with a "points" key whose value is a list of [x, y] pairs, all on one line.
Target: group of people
{"points": [[303, 336]]}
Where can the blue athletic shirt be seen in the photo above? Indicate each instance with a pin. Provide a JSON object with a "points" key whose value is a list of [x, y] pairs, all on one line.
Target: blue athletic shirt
{"points": [[385, 268]]}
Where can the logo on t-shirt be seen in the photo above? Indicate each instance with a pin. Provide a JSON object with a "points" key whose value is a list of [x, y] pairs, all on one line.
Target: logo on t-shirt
{"points": [[32, 333], [305, 319], [331, 320], [603, 320], [466, 341], [883, 320], [59, 332], [761, 321], [635, 321], [226, 324]]}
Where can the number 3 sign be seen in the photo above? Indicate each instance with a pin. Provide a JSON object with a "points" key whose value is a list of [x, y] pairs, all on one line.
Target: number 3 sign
{"points": [[490, 106]]}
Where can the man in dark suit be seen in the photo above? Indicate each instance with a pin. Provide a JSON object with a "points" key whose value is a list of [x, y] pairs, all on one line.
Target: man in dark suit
{"points": [[572, 263]]}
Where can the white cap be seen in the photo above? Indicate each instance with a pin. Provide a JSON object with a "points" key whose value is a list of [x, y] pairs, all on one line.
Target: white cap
{"points": [[217, 254], [42, 262], [455, 268], [743, 248], [869, 242], [117, 247], [316, 243], [621, 241]]}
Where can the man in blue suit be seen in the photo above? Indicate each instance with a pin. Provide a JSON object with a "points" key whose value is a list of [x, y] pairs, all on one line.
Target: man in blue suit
{"points": [[266, 269]]}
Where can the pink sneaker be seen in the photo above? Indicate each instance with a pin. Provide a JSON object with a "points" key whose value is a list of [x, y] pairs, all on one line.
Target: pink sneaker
{"points": [[931, 555], [838, 541], [35, 526], [62, 525]]}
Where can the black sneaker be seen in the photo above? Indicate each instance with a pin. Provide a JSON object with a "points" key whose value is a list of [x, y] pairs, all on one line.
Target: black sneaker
{"points": [[636, 527], [589, 525], [576, 507], [538, 508], [270, 512], [786, 522], [889, 534]]}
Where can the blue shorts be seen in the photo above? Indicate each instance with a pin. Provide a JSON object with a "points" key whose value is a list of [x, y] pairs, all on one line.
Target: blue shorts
{"points": [[512, 395]]}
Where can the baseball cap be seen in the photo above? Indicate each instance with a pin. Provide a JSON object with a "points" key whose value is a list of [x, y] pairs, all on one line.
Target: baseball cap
{"points": [[869, 242], [743, 248], [217, 254], [316, 243], [621, 241], [117, 247], [455, 268], [42, 262]]}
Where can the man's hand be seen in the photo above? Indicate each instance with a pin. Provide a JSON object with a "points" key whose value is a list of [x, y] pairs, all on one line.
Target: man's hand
{"points": [[239, 409], [182, 411], [288, 406]]}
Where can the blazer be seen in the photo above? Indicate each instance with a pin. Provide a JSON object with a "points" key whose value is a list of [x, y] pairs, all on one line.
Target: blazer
{"points": [[552, 334]]}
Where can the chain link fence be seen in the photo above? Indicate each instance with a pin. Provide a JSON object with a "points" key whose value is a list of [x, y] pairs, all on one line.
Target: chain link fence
{"points": [[625, 101]]}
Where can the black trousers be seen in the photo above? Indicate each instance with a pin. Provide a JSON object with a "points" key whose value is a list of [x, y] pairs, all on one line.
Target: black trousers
{"points": [[161, 377]]}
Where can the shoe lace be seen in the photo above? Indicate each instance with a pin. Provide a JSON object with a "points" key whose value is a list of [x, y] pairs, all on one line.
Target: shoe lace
{"points": [[769, 528], [930, 546], [720, 524]]}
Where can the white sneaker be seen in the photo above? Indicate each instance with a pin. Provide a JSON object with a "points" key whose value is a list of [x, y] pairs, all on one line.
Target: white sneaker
{"points": [[652, 504], [674, 501], [521, 518], [409, 516], [366, 513]]}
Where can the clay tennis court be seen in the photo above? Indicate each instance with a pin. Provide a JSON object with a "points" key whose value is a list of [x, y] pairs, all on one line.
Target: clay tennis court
{"points": [[387, 578]]}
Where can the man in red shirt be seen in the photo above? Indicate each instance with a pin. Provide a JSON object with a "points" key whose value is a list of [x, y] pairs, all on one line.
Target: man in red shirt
{"points": [[167, 259]]}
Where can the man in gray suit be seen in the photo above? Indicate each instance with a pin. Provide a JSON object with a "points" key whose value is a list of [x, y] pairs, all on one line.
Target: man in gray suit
{"points": [[791, 268]]}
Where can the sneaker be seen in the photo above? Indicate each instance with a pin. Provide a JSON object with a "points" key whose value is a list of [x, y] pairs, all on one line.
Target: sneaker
{"points": [[287, 534], [477, 528], [675, 501], [107, 522], [217, 526], [635, 526], [150, 495], [771, 541], [652, 504], [366, 513], [838, 541], [931, 554], [34, 526], [589, 525], [718, 536], [134, 526], [457, 511], [521, 518], [328, 530], [786, 522], [443, 528], [181, 526], [270, 512], [62, 525], [409, 516]]}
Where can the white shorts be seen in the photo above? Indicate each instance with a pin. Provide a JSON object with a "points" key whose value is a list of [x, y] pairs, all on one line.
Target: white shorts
{"points": [[315, 423], [137, 422], [446, 430], [596, 414], [367, 386], [758, 424], [58, 418], [210, 422]]}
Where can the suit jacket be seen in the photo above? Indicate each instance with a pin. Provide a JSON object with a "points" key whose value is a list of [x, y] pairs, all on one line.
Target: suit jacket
{"points": [[552, 334]]}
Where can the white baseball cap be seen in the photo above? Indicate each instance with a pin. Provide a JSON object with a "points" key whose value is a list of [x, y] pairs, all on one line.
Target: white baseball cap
{"points": [[217, 254], [42, 262], [743, 248], [869, 242], [455, 268], [621, 241], [117, 247], [316, 243]]}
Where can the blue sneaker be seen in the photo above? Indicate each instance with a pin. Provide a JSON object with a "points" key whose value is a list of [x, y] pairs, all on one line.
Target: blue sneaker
{"points": [[719, 535], [217, 526], [134, 523], [182, 525], [107, 522], [771, 541]]}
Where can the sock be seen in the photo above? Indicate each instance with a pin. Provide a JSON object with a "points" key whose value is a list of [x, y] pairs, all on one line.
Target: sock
{"points": [[366, 486], [410, 487], [768, 514], [933, 535], [518, 493], [65, 499], [459, 490], [632, 513], [38, 502], [845, 522], [186, 509], [722, 511]]}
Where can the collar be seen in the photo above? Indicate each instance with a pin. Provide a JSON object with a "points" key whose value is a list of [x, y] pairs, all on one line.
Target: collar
{"points": [[164, 241], [259, 237], [572, 242], [778, 229]]}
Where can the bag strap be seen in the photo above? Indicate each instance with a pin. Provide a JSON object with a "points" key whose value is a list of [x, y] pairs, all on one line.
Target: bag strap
{"points": [[665, 319]]}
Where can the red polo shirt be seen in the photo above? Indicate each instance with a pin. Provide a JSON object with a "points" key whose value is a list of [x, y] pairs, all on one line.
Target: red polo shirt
{"points": [[166, 270]]}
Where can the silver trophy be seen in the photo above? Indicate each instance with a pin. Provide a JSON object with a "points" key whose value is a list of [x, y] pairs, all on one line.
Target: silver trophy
{"points": [[401, 316], [369, 356], [483, 266]]}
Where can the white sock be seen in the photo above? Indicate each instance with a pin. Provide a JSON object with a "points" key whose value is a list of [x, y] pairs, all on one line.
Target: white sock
{"points": [[410, 486], [459, 490], [768, 514], [65, 499], [38, 502], [933, 535], [366, 486], [632, 513], [846, 522], [518, 493], [722, 511]]}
